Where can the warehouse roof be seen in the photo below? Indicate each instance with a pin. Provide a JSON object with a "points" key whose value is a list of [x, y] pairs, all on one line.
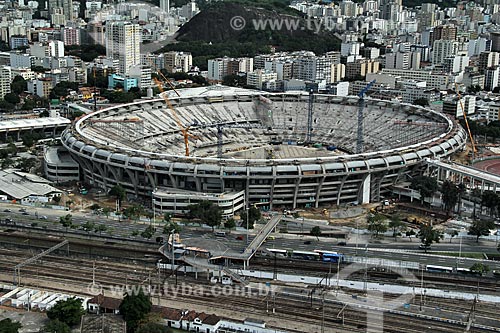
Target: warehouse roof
{"points": [[33, 123], [19, 185]]}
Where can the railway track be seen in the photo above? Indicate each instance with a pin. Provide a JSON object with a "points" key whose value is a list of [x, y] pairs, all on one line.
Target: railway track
{"points": [[79, 272], [446, 282]]}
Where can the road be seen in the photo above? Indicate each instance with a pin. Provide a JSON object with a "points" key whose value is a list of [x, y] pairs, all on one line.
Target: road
{"points": [[387, 249]]}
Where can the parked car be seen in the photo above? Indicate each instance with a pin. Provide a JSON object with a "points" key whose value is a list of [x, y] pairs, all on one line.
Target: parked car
{"points": [[43, 217], [239, 237], [307, 242], [26, 213], [7, 210], [341, 243]]}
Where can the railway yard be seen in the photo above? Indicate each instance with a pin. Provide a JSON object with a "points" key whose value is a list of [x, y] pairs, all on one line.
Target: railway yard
{"points": [[289, 306]]}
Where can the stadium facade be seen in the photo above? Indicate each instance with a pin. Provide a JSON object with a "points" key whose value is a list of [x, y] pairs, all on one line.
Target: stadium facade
{"points": [[141, 146]]}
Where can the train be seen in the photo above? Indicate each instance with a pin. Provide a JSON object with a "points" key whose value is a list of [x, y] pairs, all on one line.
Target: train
{"points": [[316, 255]]}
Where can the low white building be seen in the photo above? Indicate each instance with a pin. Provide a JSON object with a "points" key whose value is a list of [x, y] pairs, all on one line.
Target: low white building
{"points": [[176, 201]]}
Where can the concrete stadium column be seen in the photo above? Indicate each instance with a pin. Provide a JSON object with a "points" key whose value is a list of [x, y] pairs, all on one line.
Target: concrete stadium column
{"points": [[273, 183], [101, 172], [365, 189], [133, 177], [340, 188], [320, 185]]}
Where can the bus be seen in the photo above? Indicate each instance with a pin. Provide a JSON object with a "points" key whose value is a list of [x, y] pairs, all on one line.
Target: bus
{"points": [[438, 269], [329, 256]]}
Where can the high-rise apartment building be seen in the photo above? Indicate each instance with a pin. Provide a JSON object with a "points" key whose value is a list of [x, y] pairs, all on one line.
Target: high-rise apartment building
{"points": [[178, 61], [5, 80], [71, 36], [443, 49], [123, 43], [64, 7], [488, 59], [445, 32], [165, 5]]}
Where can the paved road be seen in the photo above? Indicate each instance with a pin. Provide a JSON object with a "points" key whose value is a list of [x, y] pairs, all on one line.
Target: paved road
{"points": [[125, 228]]}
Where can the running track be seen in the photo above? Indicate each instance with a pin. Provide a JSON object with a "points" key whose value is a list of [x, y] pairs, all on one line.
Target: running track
{"points": [[492, 166]]}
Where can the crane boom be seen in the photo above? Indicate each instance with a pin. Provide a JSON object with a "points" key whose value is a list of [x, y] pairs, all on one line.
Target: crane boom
{"points": [[466, 121], [184, 130]]}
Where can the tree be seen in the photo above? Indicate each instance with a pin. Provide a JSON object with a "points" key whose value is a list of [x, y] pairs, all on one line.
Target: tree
{"points": [[421, 102], [449, 193], [461, 190], [410, 233], [429, 235], [229, 224], [69, 311], [106, 211], [100, 228], [55, 326], [316, 232], [480, 268], [9, 326], [148, 232], [119, 192], [426, 186], [18, 85], [134, 308], [480, 228], [376, 224], [171, 228], [206, 211], [490, 200], [395, 224], [254, 215], [476, 198], [12, 98], [453, 233], [66, 221], [88, 226]]}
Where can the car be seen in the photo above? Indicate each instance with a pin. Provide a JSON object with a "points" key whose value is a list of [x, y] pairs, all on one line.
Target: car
{"points": [[26, 213], [307, 242], [9, 220], [7, 210], [341, 243], [271, 238], [43, 217], [424, 247], [22, 209], [239, 237]]}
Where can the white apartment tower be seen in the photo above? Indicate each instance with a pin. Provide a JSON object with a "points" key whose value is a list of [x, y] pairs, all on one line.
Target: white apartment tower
{"points": [[5, 79], [165, 6], [123, 43]]}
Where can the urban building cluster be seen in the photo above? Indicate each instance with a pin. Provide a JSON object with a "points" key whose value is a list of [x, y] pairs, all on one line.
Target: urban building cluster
{"points": [[422, 54], [36, 42]]}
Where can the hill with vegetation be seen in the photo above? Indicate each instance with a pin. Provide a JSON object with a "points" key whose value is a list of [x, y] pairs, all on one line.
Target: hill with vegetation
{"points": [[209, 34]]}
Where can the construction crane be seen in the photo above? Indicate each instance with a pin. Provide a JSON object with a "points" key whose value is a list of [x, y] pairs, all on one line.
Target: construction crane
{"points": [[361, 107], [466, 121], [184, 130], [310, 108]]}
